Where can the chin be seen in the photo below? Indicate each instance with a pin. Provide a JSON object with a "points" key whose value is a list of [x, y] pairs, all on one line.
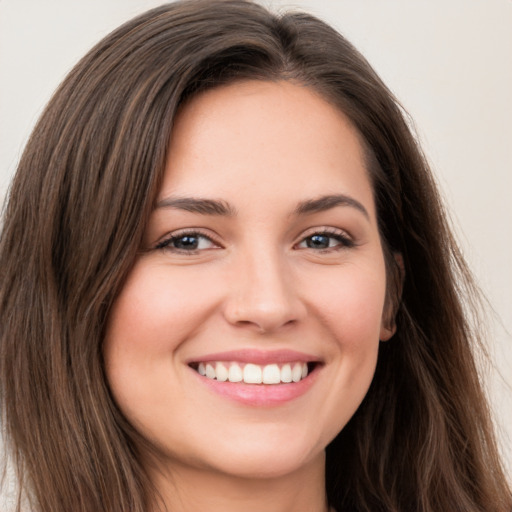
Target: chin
{"points": [[265, 465], [267, 452]]}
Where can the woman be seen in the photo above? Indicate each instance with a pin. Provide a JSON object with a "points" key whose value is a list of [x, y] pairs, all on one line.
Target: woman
{"points": [[228, 283]]}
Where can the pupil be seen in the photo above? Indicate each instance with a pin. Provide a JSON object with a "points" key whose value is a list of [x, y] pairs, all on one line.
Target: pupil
{"points": [[186, 242], [318, 242]]}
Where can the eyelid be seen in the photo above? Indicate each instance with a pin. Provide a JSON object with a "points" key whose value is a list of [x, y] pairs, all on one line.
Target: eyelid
{"points": [[164, 242], [346, 239], [326, 230]]}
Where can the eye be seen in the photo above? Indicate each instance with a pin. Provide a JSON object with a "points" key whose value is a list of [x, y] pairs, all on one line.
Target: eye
{"points": [[326, 240], [187, 242]]}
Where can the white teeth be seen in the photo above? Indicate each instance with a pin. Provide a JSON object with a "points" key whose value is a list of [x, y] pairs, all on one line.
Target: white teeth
{"points": [[286, 373], [297, 372], [221, 372], [253, 373], [210, 371], [271, 374], [235, 373]]}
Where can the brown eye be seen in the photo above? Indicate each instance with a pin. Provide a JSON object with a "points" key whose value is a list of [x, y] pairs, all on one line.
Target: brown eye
{"points": [[320, 242], [323, 241], [187, 242]]}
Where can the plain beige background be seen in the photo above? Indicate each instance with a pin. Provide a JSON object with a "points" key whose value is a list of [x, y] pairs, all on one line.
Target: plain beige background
{"points": [[449, 63]]}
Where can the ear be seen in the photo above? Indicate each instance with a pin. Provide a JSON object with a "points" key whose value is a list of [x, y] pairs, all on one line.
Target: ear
{"points": [[387, 332], [394, 286]]}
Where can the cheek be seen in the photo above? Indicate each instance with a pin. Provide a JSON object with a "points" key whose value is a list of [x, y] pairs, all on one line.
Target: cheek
{"points": [[156, 310], [147, 325], [351, 305]]}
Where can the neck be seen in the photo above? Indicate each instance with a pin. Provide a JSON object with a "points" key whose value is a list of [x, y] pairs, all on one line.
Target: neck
{"points": [[188, 489]]}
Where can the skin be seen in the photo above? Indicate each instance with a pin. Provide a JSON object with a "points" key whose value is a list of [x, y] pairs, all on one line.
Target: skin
{"points": [[254, 281]]}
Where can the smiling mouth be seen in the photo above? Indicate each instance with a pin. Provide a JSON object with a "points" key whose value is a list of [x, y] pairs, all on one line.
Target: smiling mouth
{"points": [[249, 373]]}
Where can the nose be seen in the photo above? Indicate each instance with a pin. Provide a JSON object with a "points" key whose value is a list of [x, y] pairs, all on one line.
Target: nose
{"points": [[262, 295]]}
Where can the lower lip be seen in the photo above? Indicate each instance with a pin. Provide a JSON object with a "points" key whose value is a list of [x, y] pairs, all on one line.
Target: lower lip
{"points": [[260, 394]]}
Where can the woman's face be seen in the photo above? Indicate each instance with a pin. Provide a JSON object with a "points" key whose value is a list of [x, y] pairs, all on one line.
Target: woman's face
{"points": [[262, 261]]}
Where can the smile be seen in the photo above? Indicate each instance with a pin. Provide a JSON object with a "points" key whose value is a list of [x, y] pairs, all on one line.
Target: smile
{"points": [[258, 378], [251, 373]]}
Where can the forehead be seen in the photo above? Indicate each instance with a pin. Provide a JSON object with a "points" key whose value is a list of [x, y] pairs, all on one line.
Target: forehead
{"points": [[263, 135]]}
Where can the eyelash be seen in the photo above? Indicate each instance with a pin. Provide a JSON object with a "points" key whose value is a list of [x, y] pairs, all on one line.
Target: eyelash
{"points": [[345, 242], [166, 244]]}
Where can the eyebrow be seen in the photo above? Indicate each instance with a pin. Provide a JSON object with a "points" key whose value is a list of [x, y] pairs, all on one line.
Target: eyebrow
{"points": [[198, 205], [205, 206], [324, 203]]}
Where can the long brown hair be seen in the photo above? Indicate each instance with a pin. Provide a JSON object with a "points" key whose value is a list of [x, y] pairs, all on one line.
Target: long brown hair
{"points": [[422, 440]]}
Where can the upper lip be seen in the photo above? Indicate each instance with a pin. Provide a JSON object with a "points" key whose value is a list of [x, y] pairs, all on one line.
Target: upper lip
{"points": [[261, 357]]}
